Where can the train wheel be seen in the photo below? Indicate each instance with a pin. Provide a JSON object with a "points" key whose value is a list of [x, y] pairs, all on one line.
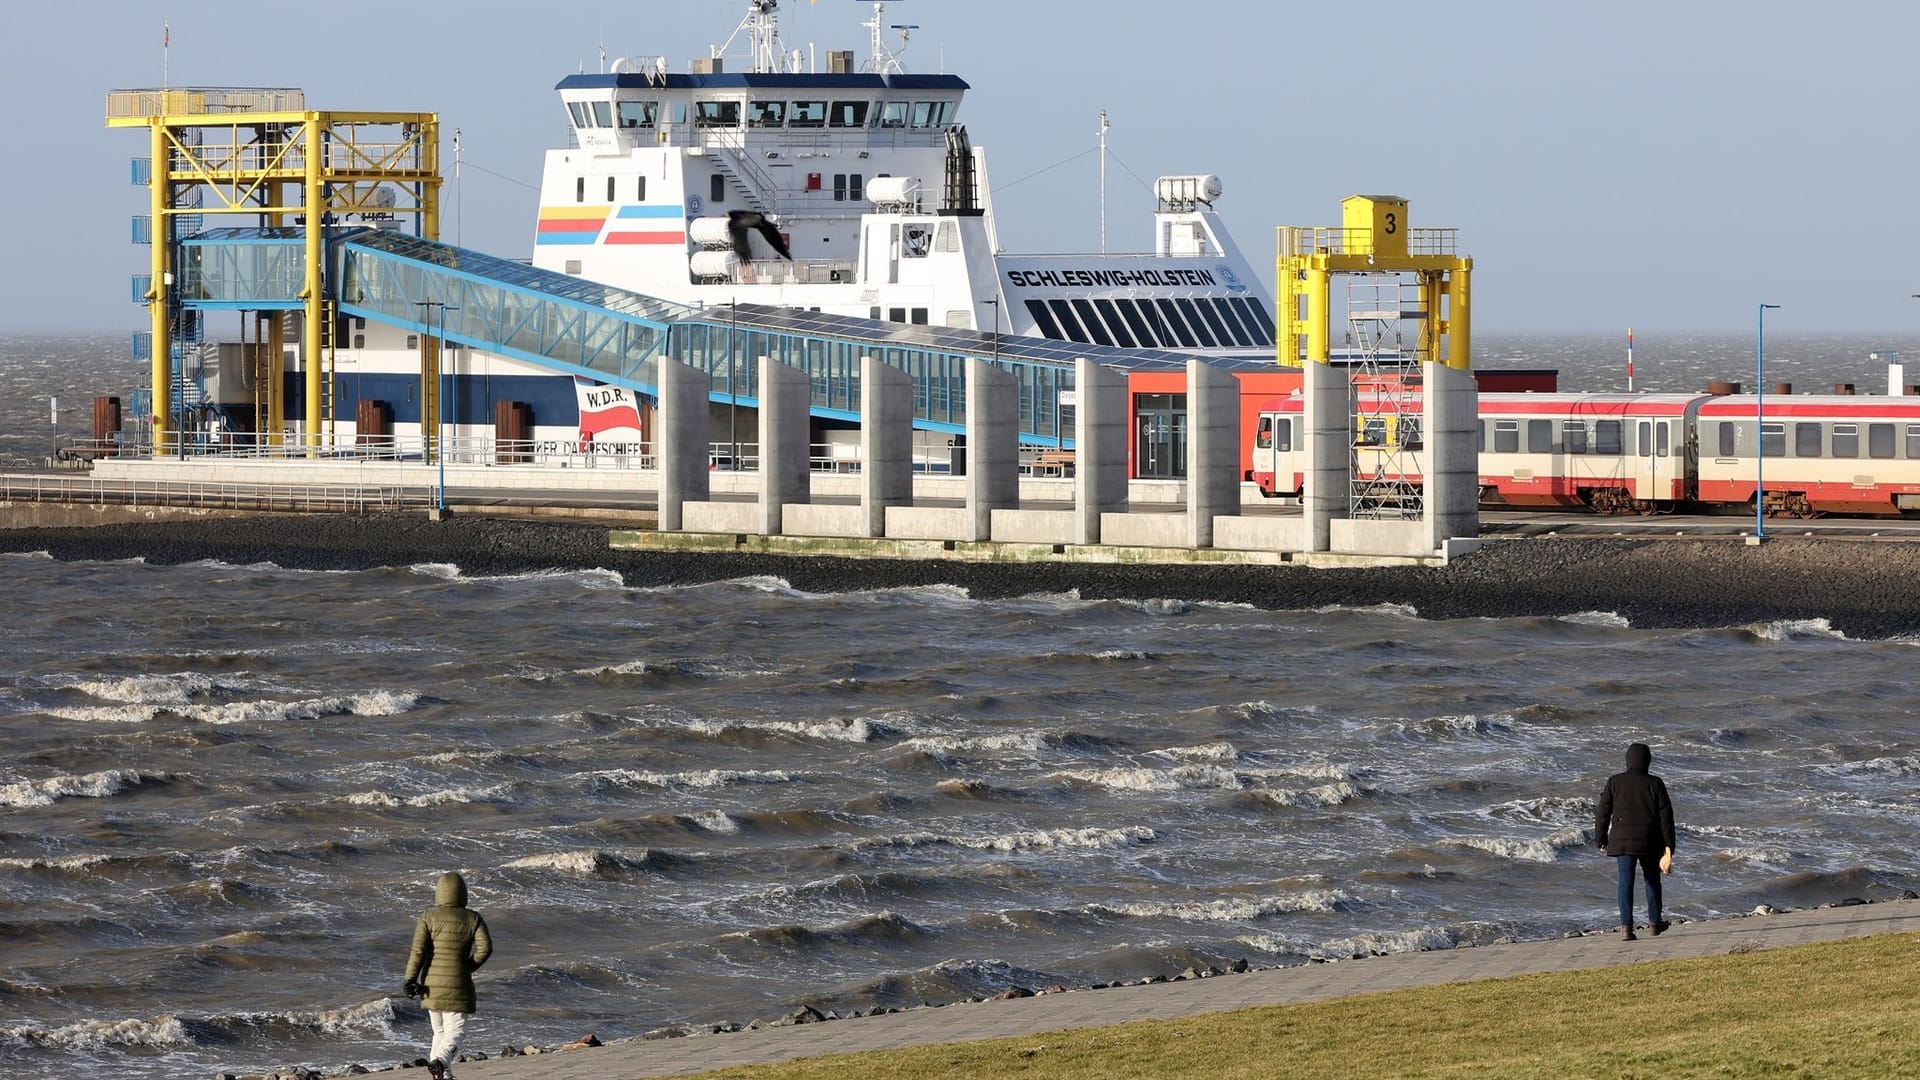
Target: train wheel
{"points": [[1798, 505]]}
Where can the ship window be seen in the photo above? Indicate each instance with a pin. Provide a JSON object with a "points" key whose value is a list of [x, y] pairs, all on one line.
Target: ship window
{"points": [[1177, 333], [948, 238], [848, 114], [1210, 310], [1130, 311], [1201, 332], [808, 114], [893, 114], [839, 187], [716, 188], [1091, 320], [1806, 440], [874, 314], [766, 113], [603, 114], [573, 266], [1506, 436], [413, 341], [717, 114], [579, 111], [359, 341], [639, 113], [898, 314], [609, 189], [853, 186], [1846, 440], [1070, 329], [1573, 437], [918, 316], [917, 241], [1773, 440], [640, 189], [1608, 438], [1879, 440], [1044, 320], [1540, 436], [579, 189], [1110, 311]]}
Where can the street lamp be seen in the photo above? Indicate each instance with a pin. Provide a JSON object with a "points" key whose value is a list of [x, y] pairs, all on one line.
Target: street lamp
{"points": [[1759, 424]]}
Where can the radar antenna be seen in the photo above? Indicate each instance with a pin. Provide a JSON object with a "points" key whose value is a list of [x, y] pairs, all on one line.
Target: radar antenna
{"points": [[762, 27], [884, 61]]}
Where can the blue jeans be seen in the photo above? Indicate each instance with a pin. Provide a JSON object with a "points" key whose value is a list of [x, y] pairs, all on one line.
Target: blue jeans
{"points": [[1649, 866]]}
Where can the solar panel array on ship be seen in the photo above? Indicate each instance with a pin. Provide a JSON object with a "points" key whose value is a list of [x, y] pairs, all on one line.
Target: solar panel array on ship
{"points": [[1010, 348]]}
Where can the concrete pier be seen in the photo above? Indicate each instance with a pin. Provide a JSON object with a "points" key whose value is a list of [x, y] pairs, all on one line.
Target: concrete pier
{"points": [[785, 423], [681, 438], [1213, 449], [1100, 447]]}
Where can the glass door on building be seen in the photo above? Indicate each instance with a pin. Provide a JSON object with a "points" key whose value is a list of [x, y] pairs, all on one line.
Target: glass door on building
{"points": [[1160, 437]]}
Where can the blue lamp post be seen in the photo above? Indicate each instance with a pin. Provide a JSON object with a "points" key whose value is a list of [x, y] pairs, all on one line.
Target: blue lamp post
{"points": [[1759, 424]]}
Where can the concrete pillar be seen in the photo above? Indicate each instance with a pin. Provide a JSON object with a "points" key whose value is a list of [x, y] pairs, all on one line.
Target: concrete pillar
{"points": [[1326, 422], [1213, 449], [680, 440], [786, 421], [1452, 455], [1099, 447], [993, 446], [886, 441]]}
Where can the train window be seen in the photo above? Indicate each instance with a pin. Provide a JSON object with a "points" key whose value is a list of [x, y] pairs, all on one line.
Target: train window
{"points": [[1846, 440], [1607, 438], [1286, 436], [1409, 432], [1573, 436], [1506, 436], [1264, 437], [1728, 442], [1664, 440], [1773, 440], [1539, 437], [1644, 439], [1373, 431], [1806, 440], [1913, 440], [1879, 440]]}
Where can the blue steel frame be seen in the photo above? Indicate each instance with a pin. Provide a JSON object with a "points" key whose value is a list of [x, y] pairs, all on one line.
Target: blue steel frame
{"points": [[569, 324]]}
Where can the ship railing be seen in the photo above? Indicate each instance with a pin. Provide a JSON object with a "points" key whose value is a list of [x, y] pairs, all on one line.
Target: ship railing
{"points": [[462, 451], [192, 101]]}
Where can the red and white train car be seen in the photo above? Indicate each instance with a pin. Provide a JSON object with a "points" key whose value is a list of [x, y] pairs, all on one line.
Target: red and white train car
{"points": [[1819, 453]]}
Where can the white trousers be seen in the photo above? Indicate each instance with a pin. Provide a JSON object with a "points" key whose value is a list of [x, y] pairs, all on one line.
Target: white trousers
{"points": [[447, 1027]]}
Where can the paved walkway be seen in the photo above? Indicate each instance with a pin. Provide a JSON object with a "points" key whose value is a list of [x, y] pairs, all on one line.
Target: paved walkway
{"points": [[1159, 1001]]}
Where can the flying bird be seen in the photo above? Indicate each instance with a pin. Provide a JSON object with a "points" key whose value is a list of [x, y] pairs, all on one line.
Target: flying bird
{"points": [[739, 221]]}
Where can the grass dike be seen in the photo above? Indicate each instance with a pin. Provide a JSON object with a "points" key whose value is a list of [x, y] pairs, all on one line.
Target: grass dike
{"points": [[1833, 1009]]}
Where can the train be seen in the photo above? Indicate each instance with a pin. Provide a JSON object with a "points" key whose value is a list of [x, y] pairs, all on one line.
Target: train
{"points": [[1812, 454]]}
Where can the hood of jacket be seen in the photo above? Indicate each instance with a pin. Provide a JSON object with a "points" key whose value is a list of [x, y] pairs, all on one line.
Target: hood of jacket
{"points": [[452, 890], [1639, 759]]}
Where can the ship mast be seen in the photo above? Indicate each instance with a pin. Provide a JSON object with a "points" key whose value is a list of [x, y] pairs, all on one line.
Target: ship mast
{"points": [[762, 27], [884, 61]]}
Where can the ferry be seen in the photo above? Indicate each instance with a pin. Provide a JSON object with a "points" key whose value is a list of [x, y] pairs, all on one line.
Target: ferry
{"points": [[855, 190]]}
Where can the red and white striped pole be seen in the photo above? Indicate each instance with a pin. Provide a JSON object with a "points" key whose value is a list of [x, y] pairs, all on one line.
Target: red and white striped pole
{"points": [[1629, 359]]}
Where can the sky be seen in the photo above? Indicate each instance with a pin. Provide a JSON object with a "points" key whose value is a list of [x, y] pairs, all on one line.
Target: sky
{"points": [[1661, 164]]}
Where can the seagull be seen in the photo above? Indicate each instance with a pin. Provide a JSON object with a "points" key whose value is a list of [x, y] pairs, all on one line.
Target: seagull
{"points": [[739, 221]]}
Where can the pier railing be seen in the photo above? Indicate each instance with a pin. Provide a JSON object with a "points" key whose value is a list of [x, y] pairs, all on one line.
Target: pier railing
{"points": [[208, 495]]}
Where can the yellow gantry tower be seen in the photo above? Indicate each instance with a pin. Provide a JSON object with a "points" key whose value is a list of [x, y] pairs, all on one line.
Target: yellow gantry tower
{"points": [[260, 157], [1375, 238]]}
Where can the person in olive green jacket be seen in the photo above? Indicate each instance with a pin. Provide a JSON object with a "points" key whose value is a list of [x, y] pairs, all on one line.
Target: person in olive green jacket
{"points": [[449, 942]]}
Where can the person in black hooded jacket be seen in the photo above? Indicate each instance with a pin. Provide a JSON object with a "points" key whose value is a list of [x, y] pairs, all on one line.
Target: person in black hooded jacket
{"points": [[1634, 824]]}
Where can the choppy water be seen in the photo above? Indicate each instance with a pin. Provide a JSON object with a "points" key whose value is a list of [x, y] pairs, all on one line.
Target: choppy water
{"points": [[225, 792]]}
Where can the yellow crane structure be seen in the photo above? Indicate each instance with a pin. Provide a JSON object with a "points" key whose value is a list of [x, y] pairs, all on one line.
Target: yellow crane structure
{"points": [[261, 158], [1429, 286]]}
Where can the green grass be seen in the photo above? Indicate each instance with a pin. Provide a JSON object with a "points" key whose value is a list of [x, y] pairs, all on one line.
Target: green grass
{"points": [[1845, 1009]]}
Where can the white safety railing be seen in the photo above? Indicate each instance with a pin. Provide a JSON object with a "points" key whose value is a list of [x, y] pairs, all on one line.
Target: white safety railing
{"points": [[198, 494]]}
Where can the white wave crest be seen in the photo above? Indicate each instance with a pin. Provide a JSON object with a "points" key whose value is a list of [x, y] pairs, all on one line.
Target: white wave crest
{"points": [[1219, 751], [371, 703], [1181, 778], [1123, 654], [1547, 810], [1904, 765], [1239, 909], [94, 785], [64, 863], [1392, 611], [1324, 795], [1768, 858], [1797, 630], [1610, 619], [584, 863], [1055, 839], [442, 797], [715, 821], [1387, 943], [107, 714], [1537, 850], [1332, 772], [98, 1034], [1031, 742], [707, 778], [175, 689], [853, 730], [445, 571]]}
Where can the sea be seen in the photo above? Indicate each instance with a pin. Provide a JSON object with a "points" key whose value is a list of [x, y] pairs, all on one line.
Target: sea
{"points": [[226, 791]]}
